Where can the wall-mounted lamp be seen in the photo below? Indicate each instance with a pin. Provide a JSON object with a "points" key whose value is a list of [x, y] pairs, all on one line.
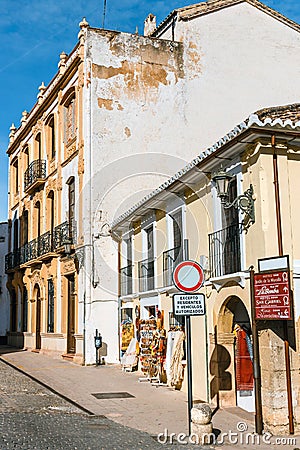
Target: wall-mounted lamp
{"points": [[67, 247], [78, 255], [244, 202]]}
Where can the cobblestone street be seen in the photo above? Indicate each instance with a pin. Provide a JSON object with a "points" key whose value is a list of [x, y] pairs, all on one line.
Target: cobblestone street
{"points": [[32, 417]]}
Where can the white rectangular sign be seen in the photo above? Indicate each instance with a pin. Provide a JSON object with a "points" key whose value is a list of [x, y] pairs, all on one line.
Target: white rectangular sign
{"points": [[188, 304]]}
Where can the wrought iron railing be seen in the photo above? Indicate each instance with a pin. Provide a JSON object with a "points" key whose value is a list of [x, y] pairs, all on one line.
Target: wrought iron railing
{"points": [[61, 234], [170, 260], [224, 251], [146, 275], [126, 280], [40, 246], [35, 171]]}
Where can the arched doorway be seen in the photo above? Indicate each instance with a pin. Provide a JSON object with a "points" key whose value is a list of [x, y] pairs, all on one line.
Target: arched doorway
{"points": [[234, 339], [37, 317]]}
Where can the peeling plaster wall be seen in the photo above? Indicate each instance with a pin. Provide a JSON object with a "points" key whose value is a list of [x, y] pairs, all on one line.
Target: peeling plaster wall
{"points": [[137, 105]]}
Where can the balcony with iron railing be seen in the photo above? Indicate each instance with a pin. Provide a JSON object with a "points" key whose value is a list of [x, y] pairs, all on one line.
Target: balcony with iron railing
{"points": [[224, 251], [40, 247], [126, 280], [171, 258], [146, 275], [34, 175]]}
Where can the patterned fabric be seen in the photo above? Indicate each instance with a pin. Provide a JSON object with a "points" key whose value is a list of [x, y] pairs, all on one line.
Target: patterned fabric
{"points": [[243, 363]]}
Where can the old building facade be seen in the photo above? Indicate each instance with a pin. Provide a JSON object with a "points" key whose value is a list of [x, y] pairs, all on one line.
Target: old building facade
{"points": [[123, 113], [185, 219]]}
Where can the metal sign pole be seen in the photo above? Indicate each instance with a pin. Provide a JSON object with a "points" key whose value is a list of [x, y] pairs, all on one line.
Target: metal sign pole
{"points": [[256, 363], [189, 369]]}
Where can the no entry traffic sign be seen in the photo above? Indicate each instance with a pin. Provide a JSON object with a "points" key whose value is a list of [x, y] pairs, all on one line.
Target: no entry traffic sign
{"points": [[188, 276]]}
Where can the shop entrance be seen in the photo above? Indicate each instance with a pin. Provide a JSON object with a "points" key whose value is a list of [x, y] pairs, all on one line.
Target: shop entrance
{"points": [[234, 331], [71, 342], [38, 318]]}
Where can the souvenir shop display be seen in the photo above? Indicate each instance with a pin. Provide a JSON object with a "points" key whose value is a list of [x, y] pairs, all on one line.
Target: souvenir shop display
{"points": [[152, 348]]}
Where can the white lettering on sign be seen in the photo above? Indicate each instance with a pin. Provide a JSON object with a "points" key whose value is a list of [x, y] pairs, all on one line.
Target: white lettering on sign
{"points": [[188, 305]]}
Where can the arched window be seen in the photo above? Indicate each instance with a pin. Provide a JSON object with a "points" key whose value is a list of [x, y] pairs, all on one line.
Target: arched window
{"points": [[38, 218], [52, 137], [38, 146], [26, 157], [25, 227], [15, 177], [69, 117]]}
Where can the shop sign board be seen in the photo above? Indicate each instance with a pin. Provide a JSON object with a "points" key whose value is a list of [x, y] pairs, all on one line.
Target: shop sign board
{"points": [[189, 304], [272, 298], [188, 276]]}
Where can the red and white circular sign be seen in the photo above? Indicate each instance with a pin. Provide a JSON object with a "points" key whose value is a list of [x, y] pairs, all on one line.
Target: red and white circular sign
{"points": [[188, 276]]}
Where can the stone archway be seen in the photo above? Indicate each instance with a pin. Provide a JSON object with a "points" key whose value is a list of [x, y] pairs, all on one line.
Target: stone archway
{"points": [[230, 363]]}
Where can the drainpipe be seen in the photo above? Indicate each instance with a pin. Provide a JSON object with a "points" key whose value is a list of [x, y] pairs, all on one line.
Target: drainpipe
{"points": [[280, 252]]}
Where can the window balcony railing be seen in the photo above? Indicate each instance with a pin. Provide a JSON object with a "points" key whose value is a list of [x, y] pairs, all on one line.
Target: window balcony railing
{"points": [[224, 251], [61, 234], [34, 175], [171, 258], [126, 280], [146, 275], [39, 247]]}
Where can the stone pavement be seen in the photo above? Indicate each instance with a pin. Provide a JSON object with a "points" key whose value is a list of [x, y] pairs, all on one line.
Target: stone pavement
{"points": [[151, 409]]}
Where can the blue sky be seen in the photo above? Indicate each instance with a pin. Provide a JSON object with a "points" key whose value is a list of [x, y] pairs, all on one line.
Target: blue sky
{"points": [[34, 33]]}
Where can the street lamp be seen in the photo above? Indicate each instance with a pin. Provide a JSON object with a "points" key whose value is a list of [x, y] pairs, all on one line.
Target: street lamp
{"points": [[243, 202]]}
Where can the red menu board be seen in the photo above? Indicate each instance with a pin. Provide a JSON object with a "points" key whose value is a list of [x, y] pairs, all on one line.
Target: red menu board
{"points": [[272, 296]]}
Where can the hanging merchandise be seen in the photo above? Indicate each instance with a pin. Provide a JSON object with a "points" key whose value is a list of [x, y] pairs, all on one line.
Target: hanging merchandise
{"points": [[176, 368], [129, 360], [243, 362], [170, 347], [147, 329], [127, 333], [153, 348]]}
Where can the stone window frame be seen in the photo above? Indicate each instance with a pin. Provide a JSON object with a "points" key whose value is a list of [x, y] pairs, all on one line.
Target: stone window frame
{"points": [[69, 116]]}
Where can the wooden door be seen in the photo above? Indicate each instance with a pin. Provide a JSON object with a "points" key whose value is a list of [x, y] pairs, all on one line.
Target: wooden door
{"points": [[71, 342], [38, 320]]}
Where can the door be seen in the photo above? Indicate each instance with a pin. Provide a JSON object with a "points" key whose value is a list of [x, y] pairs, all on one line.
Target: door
{"points": [[71, 343], [38, 319]]}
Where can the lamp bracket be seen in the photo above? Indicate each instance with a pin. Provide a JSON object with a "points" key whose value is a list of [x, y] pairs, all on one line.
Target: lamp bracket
{"points": [[245, 203]]}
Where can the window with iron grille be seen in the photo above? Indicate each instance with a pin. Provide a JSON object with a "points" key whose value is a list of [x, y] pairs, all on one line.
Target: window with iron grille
{"points": [[50, 327], [13, 317], [174, 255], [25, 310]]}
